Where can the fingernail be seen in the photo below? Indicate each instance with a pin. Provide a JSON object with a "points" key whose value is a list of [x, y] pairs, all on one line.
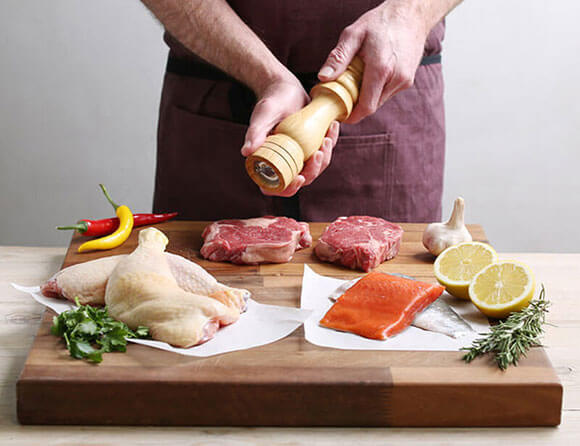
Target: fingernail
{"points": [[326, 71]]}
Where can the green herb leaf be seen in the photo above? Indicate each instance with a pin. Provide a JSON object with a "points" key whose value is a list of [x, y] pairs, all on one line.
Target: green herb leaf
{"points": [[511, 339], [87, 327], [142, 332], [89, 332]]}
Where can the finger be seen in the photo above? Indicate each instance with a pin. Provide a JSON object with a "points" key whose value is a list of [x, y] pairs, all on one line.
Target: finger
{"points": [[401, 80], [326, 149], [393, 88], [264, 118], [289, 191], [390, 90], [374, 80], [341, 55], [333, 132], [312, 168]]}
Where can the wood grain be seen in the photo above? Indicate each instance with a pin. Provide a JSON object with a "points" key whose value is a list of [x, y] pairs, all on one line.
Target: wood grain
{"points": [[20, 317], [290, 382]]}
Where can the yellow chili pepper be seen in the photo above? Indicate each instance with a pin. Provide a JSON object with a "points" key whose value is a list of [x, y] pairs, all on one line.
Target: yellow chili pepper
{"points": [[118, 237]]}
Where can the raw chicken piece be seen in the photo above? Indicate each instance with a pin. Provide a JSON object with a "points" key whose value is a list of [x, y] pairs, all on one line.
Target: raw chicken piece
{"points": [[193, 278], [143, 291], [380, 305], [85, 281], [88, 280]]}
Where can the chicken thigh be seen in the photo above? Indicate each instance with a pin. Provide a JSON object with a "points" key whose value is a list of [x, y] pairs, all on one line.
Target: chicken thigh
{"points": [[142, 290], [87, 282]]}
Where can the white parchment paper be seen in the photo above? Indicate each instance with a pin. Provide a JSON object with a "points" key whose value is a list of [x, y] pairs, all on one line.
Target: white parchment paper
{"points": [[259, 325], [316, 290]]}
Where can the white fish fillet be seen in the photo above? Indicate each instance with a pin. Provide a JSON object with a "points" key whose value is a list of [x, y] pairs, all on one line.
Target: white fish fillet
{"points": [[441, 318], [438, 317]]}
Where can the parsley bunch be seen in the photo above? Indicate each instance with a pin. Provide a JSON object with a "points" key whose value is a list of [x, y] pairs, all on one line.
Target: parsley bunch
{"points": [[89, 332], [511, 339]]}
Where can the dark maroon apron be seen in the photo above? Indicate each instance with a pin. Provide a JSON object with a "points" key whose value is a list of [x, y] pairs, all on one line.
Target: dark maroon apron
{"points": [[389, 165]]}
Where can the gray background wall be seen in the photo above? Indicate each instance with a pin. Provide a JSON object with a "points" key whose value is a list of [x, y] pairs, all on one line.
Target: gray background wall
{"points": [[80, 84]]}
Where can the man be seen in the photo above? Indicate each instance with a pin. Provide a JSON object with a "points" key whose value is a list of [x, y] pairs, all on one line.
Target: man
{"points": [[237, 68]]}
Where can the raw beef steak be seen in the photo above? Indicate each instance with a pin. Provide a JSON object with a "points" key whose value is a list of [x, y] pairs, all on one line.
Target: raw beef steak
{"points": [[255, 240], [359, 242]]}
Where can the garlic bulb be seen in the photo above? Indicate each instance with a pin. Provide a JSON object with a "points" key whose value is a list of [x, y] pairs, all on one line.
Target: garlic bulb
{"points": [[439, 236]]}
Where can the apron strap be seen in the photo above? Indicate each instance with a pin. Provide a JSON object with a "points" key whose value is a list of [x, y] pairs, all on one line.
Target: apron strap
{"points": [[431, 59], [241, 98], [199, 69]]}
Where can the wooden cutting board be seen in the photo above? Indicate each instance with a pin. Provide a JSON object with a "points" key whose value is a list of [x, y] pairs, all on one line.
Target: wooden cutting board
{"points": [[289, 382]]}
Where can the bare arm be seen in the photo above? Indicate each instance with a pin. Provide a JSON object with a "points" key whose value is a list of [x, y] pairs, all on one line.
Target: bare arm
{"points": [[390, 40], [214, 32], [433, 11]]}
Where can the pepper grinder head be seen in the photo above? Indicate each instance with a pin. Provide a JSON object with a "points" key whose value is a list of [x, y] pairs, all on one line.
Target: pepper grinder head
{"points": [[281, 158], [276, 163]]}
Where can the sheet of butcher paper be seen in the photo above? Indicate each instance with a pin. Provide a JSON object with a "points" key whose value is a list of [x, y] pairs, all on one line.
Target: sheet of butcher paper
{"points": [[259, 325], [316, 290]]}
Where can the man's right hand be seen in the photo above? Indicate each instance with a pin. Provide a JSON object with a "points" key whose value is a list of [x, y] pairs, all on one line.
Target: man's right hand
{"points": [[276, 101]]}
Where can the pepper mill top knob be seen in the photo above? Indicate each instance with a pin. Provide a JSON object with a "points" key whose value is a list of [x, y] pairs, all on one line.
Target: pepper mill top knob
{"points": [[281, 158]]}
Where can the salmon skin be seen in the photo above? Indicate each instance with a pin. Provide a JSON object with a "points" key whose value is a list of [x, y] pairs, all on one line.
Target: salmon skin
{"points": [[380, 305]]}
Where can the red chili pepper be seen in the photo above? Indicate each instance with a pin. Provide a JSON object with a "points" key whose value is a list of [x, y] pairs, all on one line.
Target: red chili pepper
{"points": [[106, 226]]}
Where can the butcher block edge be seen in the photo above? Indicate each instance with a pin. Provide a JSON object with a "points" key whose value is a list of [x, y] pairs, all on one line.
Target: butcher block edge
{"points": [[287, 383]]}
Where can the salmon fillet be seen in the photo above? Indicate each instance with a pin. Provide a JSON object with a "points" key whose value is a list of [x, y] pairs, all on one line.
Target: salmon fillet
{"points": [[380, 305]]}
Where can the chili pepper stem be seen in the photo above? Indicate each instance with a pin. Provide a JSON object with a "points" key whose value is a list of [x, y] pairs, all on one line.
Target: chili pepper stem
{"points": [[104, 189], [81, 227]]}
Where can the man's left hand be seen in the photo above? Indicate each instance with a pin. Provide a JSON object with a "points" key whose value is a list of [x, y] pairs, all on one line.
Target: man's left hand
{"points": [[390, 40]]}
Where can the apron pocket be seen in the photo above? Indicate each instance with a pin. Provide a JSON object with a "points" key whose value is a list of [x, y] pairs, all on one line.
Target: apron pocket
{"points": [[355, 182], [200, 171]]}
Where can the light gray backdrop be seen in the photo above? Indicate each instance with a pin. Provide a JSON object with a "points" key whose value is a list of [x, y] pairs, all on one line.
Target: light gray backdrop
{"points": [[79, 92]]}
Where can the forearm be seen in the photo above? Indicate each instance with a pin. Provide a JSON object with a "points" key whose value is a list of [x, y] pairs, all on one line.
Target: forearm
{"points": [[432, 11], [214, 32]]}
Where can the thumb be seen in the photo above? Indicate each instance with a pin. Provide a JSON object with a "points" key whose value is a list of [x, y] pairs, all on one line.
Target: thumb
{"points": [[341, 55], [263, 119]]}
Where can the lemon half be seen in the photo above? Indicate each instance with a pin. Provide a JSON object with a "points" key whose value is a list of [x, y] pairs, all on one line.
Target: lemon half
{"points": [[456, 266], [501, 288]]}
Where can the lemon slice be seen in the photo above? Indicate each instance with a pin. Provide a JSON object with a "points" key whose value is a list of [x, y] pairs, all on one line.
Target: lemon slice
{"points": [[456, 266], [501, 288]]}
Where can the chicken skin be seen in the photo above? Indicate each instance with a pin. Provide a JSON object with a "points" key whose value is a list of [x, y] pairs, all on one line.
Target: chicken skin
{"points": [[142, 290]]}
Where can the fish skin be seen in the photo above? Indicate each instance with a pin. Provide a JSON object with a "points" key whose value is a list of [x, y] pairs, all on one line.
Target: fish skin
{"points": [[438, 317]]}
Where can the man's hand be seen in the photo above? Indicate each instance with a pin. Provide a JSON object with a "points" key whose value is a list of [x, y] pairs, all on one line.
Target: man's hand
{"points": [[277, 101], [390, 41]]}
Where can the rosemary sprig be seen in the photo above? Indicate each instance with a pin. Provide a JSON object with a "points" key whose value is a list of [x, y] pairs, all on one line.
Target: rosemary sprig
{"points": [[512, 338]]}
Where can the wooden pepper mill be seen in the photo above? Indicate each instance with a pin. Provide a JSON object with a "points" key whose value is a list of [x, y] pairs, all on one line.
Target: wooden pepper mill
{"points": [[281, 158]]}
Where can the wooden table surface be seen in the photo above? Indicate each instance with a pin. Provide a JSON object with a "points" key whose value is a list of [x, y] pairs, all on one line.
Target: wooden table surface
{"points": [[20, 317]]}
